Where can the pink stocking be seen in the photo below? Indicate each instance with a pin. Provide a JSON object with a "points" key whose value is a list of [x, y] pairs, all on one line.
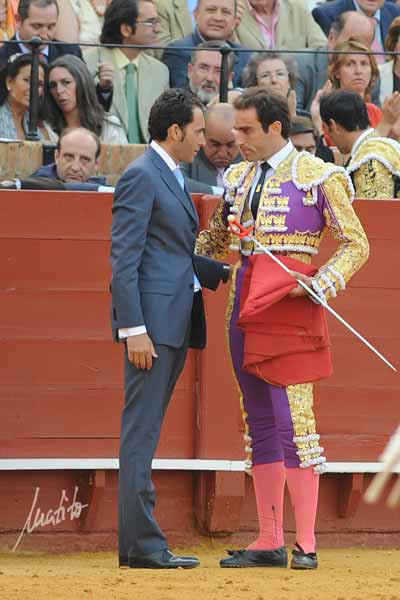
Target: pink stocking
{"points": [[303, 488], [269, 485]]}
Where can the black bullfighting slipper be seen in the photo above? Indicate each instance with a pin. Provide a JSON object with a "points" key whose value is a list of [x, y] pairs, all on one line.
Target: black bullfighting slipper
{"points": [[301, 560], [255, 558], [164, 559]]}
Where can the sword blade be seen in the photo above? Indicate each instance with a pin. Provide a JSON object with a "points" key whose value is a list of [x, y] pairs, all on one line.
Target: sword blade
{"points": [[324, 304]]}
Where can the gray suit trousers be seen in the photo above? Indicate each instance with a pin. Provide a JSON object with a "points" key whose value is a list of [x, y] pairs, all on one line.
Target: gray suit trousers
{"points": [[147, 394]]}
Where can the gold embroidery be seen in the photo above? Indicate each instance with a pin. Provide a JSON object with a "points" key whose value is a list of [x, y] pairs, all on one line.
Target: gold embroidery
{"points": [[373, 180], [300, 399]]}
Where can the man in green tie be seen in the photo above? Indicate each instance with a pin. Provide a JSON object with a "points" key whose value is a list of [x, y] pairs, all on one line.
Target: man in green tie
{"points": [[139, 78]]}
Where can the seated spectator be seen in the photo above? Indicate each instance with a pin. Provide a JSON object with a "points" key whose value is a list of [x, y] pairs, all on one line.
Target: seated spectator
{"points": [[390, 71], [15, 81], [76, 159], [285, 24], [275, 72], [204, 71], [215, 20], [380, 13], [374, 161], [356, 73], [221, 148], [71, 101], [139, 78], [37, 18], [303, 135], [75, 166], [313, 68]]}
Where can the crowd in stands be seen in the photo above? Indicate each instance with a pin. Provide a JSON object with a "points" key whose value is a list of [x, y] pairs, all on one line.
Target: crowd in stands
{"points": [[93, 79]]}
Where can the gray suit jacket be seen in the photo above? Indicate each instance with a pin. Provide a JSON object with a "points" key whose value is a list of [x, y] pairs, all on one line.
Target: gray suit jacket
{"points": [[153, 236], [201, 170]]}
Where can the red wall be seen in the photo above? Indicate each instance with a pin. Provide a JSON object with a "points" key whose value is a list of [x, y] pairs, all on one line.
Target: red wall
{"points": [[61, 375]]}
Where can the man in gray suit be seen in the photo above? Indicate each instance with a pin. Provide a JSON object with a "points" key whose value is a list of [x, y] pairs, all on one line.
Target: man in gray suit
{"points": [[156, 309], [221, 148]]}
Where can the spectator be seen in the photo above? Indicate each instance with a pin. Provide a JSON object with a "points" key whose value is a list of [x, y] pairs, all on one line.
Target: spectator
{"points": [[356, 73], [313, 68], [303, 135], [275, 72], [285, 24], [37, 18], [139, 78], [204, 71], [390, 71], [15, 80], [221, 148], [380, 13], [71, 101], [215, 20], [76, 158], [81, 20], [374, 161]]}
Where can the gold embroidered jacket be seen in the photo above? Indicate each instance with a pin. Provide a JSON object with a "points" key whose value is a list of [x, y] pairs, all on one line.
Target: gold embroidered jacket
{"points": [[303, 199], [375, 168]]}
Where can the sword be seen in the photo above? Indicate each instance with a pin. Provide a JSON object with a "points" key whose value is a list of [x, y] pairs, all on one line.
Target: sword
{"points": [[241, 231]]}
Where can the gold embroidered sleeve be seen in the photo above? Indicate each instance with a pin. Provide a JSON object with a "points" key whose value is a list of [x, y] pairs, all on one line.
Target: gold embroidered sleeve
{"points": [[344, 225], [373, 180], [214, 242]]}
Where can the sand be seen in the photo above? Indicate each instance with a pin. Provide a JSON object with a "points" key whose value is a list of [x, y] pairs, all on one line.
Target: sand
{"points": [[350, 574]]}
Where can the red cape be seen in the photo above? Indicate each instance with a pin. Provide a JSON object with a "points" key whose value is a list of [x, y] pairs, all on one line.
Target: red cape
{"points": [[286, 340]]}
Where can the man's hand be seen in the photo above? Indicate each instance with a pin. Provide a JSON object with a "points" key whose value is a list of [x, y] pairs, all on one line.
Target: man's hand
{"points": [[141, 351], [299, 290], [106, 75]]}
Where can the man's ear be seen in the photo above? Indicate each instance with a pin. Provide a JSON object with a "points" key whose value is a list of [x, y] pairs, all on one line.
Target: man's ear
{"points": [[190, 69], [334, 127], [175, 133], [126, 30], [275, 127], [56, 155], [195, 14], [18, 20]]}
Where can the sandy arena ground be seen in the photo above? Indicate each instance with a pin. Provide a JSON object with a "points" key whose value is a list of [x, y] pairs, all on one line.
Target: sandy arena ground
{"points": [[350, 574]]}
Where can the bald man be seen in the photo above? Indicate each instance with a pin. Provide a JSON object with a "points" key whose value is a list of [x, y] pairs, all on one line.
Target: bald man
{"points": [[221, 149]]}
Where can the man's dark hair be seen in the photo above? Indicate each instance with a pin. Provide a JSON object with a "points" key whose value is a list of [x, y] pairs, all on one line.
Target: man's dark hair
{"points": [[210, 45], [174, 106], [119, 12], [24, 6], [69, 130], [270, 107], [303, 125], [347, 109]]}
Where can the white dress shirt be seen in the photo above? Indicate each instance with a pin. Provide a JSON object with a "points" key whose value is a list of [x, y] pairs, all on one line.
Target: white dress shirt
{"points": [[274, 162]]}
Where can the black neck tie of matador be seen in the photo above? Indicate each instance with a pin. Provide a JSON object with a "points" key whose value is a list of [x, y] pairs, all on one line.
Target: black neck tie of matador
{"points": [[255, 201]]}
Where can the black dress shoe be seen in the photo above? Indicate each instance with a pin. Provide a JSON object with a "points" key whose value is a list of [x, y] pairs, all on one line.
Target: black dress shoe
{"points": [[164, 559], [255, 558], [301, 560]]}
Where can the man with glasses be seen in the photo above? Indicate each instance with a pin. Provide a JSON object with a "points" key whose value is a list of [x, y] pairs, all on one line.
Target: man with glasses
{"points": [[139, 78]]}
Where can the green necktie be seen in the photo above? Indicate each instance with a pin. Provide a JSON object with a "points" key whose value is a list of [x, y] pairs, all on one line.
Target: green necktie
{"points": [[134, 136]]}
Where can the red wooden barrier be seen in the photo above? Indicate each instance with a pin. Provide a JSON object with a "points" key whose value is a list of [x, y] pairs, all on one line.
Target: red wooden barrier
{"points": [[61, 374]]}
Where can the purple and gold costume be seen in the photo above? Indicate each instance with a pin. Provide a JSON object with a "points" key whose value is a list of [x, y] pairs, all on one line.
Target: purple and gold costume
{"points": [[302, 200]]}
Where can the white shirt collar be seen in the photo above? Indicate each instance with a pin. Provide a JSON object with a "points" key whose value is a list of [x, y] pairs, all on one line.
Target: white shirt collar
{"points": [[27, 49], [360, 139], [275, 160], [167, 158]]}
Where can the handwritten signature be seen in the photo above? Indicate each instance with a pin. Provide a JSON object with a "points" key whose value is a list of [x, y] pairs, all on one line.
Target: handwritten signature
{"points": [[37, 518]]}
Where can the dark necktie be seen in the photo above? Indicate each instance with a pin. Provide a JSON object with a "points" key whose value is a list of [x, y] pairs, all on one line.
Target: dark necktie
{"points": [[255, 201]]}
